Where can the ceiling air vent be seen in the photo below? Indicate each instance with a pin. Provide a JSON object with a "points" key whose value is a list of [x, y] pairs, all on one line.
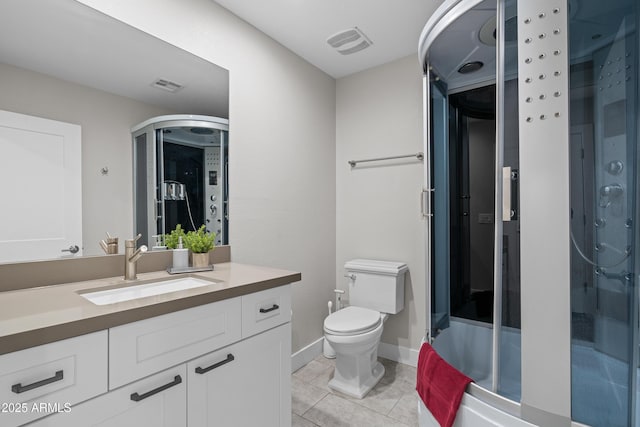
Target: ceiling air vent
{"points": [[167, 85], [349, 41]]}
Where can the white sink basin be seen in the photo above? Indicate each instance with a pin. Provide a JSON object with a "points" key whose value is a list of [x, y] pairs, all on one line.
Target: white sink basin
{"points": [[128, 293]]}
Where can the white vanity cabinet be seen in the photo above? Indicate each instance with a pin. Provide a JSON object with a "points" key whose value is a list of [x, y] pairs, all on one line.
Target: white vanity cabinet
{"points": [[226, 363], [247, 383]]}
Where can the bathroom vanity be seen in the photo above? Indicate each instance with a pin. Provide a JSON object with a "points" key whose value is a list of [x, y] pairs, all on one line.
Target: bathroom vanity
{"points": [[215, 354]]}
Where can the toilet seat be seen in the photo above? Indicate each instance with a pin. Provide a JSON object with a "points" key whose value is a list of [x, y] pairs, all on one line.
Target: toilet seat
{"points": [[352, 321]]}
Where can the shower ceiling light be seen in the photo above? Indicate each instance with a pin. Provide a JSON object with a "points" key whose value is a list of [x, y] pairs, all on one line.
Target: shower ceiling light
{"points": [[349, 41], [487, 33], [470, 67], [167, 85], [201, 131]]}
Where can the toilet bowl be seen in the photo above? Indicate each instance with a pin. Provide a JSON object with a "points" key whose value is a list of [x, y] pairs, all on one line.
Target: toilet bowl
{"points": [[354, 334], [375, 289]]}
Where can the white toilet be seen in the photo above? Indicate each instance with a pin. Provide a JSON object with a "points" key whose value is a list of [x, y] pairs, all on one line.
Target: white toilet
{"points": [[376, 289]]}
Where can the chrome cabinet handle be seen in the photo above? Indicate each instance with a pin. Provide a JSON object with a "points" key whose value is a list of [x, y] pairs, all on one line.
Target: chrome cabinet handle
{"points": [[138, 397], [229, 358], [266, 310], [73, 249], [19, 388]]}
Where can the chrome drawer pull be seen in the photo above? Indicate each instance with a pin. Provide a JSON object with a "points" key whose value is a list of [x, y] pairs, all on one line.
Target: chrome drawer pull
{"points": [[229, 358], [19, 388], [138, 397], [266, 310]]}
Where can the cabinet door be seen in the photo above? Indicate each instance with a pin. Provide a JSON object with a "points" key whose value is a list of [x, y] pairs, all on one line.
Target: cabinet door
{"points": [[245, 384], [158, 401]]}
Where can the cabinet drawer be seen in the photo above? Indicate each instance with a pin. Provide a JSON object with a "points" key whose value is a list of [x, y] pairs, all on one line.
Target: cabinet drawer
{"points": [[51, 377], [265, 310], [142, 348], [159, 401]]}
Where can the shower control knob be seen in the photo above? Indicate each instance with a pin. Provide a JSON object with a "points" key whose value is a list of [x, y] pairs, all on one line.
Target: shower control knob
{"points": [[214, 210], [614, 167], [213, 198]]}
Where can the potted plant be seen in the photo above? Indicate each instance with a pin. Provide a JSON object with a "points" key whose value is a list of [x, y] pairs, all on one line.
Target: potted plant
{"points": [[200, 243]]}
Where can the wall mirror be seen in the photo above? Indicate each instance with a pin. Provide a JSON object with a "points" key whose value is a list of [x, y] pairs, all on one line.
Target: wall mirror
{"points": [[63, 61]]}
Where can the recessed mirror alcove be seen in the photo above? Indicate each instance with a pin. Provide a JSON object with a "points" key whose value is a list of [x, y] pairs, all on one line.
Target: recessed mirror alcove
{"points": [[62, 61]]}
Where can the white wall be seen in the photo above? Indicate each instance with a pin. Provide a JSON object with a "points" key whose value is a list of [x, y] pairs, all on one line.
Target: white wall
{"points": [[379, 113], [282, 145], [106, 122]]}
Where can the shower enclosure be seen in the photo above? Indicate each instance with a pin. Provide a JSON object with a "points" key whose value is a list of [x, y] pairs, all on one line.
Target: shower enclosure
{"points": [[181, 176], [530, 200]]}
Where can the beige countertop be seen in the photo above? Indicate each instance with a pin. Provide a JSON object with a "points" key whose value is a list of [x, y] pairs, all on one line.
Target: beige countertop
{"points": [[35, 316]]}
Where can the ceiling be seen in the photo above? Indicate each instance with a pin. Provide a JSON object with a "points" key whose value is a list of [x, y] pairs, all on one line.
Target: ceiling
{"points": [[72, 42], [303, 26]]}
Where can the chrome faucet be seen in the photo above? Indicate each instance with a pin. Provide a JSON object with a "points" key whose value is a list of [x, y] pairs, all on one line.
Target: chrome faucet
{"points": [[131, 257]]}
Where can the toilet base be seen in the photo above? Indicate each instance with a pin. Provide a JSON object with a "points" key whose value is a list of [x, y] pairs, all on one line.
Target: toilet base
{"points": [[357, 390]]}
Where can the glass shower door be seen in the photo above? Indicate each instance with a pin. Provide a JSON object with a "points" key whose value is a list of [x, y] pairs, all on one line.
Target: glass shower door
{"points": [[439, 170], [474, 261]]}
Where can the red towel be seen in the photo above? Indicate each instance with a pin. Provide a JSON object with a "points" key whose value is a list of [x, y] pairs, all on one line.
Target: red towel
{"points": [[440, 385]]}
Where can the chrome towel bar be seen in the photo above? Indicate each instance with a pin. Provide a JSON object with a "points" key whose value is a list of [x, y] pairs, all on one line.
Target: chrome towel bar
{"points": [[418, 156]]}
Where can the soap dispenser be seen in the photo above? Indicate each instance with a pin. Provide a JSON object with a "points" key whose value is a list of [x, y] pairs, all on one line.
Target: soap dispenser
{"points": [[180, 256]]}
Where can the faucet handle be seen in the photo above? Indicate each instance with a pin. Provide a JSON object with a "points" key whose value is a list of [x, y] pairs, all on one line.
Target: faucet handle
{"points": [[132, 242]]}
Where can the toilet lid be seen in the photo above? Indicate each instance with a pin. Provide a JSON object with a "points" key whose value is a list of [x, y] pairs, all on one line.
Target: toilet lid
{"points": [[352, 320]]}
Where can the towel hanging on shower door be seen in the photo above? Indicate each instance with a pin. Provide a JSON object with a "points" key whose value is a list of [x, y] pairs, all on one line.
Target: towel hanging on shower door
{"points": [[439, 385]]}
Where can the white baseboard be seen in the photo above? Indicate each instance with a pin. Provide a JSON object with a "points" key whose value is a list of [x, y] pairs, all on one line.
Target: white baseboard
{"points": [[408, 356], [306, 354]]}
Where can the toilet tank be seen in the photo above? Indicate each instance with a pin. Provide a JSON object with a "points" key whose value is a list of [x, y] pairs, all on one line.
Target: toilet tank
{"points": [[378, 285]]}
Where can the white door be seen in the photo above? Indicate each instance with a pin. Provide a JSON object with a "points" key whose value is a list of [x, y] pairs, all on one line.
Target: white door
{"points": [[40, 178]]}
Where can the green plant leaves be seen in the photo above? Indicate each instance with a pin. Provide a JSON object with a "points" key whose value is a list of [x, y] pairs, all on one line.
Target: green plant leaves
{"points": [[171, 240], [200, 241]]}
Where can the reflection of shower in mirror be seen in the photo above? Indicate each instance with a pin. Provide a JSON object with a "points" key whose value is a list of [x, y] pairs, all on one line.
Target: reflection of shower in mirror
{"points": [[174, 190], [610, 193], [180, 165]]}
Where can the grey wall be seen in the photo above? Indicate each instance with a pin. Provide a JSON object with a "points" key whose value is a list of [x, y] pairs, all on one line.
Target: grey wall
{"points": [[379, 113], [106, 121], [282, 145]]}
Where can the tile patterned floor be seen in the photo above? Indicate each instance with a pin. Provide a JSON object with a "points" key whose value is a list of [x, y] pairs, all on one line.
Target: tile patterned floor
{"points": [[393, 402]]}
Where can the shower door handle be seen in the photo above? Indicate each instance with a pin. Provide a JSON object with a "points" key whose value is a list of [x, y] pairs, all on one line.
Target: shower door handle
{"points": [[425, 203], [506, 193]]}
